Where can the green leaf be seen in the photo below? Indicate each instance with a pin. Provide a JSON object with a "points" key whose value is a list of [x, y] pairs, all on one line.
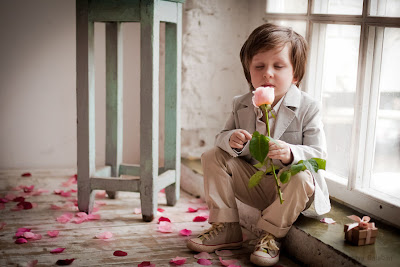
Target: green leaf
{"points": [[258, 165], [321, 163], [273, 140], [311, 165], [259, 146], [285, 177], [295, 169], [255, 179]]}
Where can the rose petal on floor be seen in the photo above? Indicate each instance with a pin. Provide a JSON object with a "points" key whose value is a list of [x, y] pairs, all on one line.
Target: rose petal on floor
{"points": [[10, 196], [137, 211], [105, 235], [200, 219], [57, 250], [185, 232], [203, 255], [204, 262], [224, 253], [192, 209], [101, 194], [37, 237], [28, 235], [32, 263], [146, 263], [120, 253], [178, 260], [165, 227], [227, 262], [65, 262], [163, 219], [100, 203], [3, 200], [160, 210], [327, 220], [26, 174], [28, 189], [20, 240], [19, 199], [53, 233], [66, 217], [55, 207]]}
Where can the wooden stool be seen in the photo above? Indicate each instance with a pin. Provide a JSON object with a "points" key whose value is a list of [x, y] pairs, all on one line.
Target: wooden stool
{"points": [[150, 178]]}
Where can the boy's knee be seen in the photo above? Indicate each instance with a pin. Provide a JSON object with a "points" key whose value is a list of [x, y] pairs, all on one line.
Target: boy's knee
{"points": [[304, 179], [211, 154]]}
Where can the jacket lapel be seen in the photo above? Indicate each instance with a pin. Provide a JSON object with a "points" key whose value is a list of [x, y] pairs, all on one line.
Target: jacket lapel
{"points": [[246, 115], [287, 111]]}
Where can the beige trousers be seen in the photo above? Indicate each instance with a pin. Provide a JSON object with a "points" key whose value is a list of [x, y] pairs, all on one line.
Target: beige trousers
{"points": [[226, 177]]}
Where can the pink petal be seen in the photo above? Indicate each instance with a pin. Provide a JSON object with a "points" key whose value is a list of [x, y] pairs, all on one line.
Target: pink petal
{"points": [[160, 210], [23, 230], [78, 220], [95, 209], [185, 232], [28, 189], [57, 250], [178, 260], [55, 207], [162, 190], [204, 262], [65, 262], [20, 241], [53, 233], [192, 210], [17, 208], [65, 194], [81, 214], [203, 255], [19, 199], [28, 235], [200, 219], [105, 235], [32, 263], [224, 253], [25, 205], [2, 206], [3, 200], [163, 219], [10, 196], [37, 237], [165, 227], [227, 262], [101, 194], [66, 217], [94, 216], [146, 263], [73, 190], [100, 203], [120, 253], [26, 174], [2, 224], [137, 211], [327, 220], [58, 191]]}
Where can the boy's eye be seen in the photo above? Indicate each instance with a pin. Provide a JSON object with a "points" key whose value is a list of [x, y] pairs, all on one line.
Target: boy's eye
{"points": [[259, 67], [278, 66]]}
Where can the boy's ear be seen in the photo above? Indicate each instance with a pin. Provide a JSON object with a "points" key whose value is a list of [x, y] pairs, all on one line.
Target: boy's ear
{"points": [[294, 81]]}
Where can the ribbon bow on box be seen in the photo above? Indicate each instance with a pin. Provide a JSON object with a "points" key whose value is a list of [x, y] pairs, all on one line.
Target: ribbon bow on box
{"points": [[363, 224]]}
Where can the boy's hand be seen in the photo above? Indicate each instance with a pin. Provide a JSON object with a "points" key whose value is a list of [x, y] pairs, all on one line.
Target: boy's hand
{"points": [[239, 138], [283, 153]]}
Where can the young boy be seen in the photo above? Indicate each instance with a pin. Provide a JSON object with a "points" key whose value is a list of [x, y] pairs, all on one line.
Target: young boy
{"points": [[272, 56]]}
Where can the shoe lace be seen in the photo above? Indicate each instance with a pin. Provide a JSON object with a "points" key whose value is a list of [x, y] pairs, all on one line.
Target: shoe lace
{"points": [[267, 243], [212, 231]]}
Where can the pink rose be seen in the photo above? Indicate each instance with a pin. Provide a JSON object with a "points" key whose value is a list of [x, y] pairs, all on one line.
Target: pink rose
{"points": [[263, 95]]}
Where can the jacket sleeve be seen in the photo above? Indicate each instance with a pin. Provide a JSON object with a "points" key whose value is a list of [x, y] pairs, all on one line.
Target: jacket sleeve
{"points": [[313, 141]]}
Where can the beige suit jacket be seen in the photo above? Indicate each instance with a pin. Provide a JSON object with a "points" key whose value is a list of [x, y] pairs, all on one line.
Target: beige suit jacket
{"points": [[298, 123]]}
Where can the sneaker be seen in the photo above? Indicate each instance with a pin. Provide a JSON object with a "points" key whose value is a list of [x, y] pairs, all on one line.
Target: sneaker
{"points": [[266, 252], [219, 236]]}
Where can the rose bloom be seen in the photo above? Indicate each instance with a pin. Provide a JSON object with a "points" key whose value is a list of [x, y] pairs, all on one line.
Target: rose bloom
{"points": [[263, 95]]}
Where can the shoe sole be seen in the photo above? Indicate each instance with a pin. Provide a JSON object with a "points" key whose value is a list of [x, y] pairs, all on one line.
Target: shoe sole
{"points": [[263, 261], [211, 248]]}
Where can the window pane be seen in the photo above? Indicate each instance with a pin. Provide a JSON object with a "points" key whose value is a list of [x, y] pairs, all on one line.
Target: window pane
{"points": [[287, 6], [385, 8], [386, 168], [339, 78], [297, 25], [342, 7]]}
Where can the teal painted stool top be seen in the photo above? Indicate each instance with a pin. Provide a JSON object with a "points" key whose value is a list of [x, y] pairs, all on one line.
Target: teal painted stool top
{"points": [[148, 177]]}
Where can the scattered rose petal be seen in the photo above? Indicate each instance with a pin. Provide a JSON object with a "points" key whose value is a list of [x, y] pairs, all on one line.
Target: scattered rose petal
{"points": [[95, 209], [224, 253], [203, 255], [146, 263], [227, 262], [26, 174], [105, 235], [160, 210], [53, 233], [94, 216], [25, 205], [58, 191], [162, 190], [32, 263], [73, 190], [204, 262], [37, 237], [23, 229], [3, 200], [81, 214], [10, 196], [28, 189], [66, 217], [78, 220], [2, 224], [185, 232], [101, 194], [55, 207], [100, 203], [57, 250], [2, 206], [17, 208], [65, 262], [20, 241], [165, 227], [19, 199], [137, 211], [28, 235], [120, 253], [163, 219], [192, 210], [200, 219], [328, 220], [178, 260], [65, 194]]}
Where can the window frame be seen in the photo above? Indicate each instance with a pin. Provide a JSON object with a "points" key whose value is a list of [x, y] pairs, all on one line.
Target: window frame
{"points": [[354, 191]]}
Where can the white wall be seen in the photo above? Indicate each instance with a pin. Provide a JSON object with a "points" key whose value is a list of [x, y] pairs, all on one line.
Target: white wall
{"points": [[37, 79]]}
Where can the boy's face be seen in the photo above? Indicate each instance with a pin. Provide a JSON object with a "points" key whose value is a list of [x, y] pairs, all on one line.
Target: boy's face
{"points": [[273, 68]]}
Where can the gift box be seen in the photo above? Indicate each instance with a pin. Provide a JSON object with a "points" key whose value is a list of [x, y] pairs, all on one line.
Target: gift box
{"points": [[360, 233]]}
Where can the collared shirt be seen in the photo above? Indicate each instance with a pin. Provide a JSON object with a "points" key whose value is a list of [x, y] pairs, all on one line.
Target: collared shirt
{"points": [[261, 127]]}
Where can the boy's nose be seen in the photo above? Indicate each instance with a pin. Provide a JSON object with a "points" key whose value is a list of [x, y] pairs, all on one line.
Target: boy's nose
{"points": [[268, 74]]}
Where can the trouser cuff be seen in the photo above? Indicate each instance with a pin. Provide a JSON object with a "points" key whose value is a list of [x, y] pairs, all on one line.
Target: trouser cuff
{"points": [[278, 232], [223, 215]]}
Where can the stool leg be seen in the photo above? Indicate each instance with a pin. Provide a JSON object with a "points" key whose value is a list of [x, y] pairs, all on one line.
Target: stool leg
{"points": [[114, 93], [85, 105], [149, 106], [172, 106]]}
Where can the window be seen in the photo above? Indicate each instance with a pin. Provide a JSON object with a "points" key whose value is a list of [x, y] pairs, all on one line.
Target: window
{"points": [[352, 70]]}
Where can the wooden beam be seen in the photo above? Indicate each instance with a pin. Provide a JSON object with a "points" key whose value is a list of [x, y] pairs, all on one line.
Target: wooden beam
{"points": [[115, 184]]}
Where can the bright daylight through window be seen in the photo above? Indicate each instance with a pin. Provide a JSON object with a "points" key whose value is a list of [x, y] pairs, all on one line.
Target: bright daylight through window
{"points": [[353, 71]]}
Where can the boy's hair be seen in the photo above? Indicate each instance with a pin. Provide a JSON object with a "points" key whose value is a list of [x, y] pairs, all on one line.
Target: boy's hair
{"points": [[269, 36]]}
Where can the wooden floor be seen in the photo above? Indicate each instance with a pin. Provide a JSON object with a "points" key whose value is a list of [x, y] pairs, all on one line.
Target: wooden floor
{"points": [[142, 241]]}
